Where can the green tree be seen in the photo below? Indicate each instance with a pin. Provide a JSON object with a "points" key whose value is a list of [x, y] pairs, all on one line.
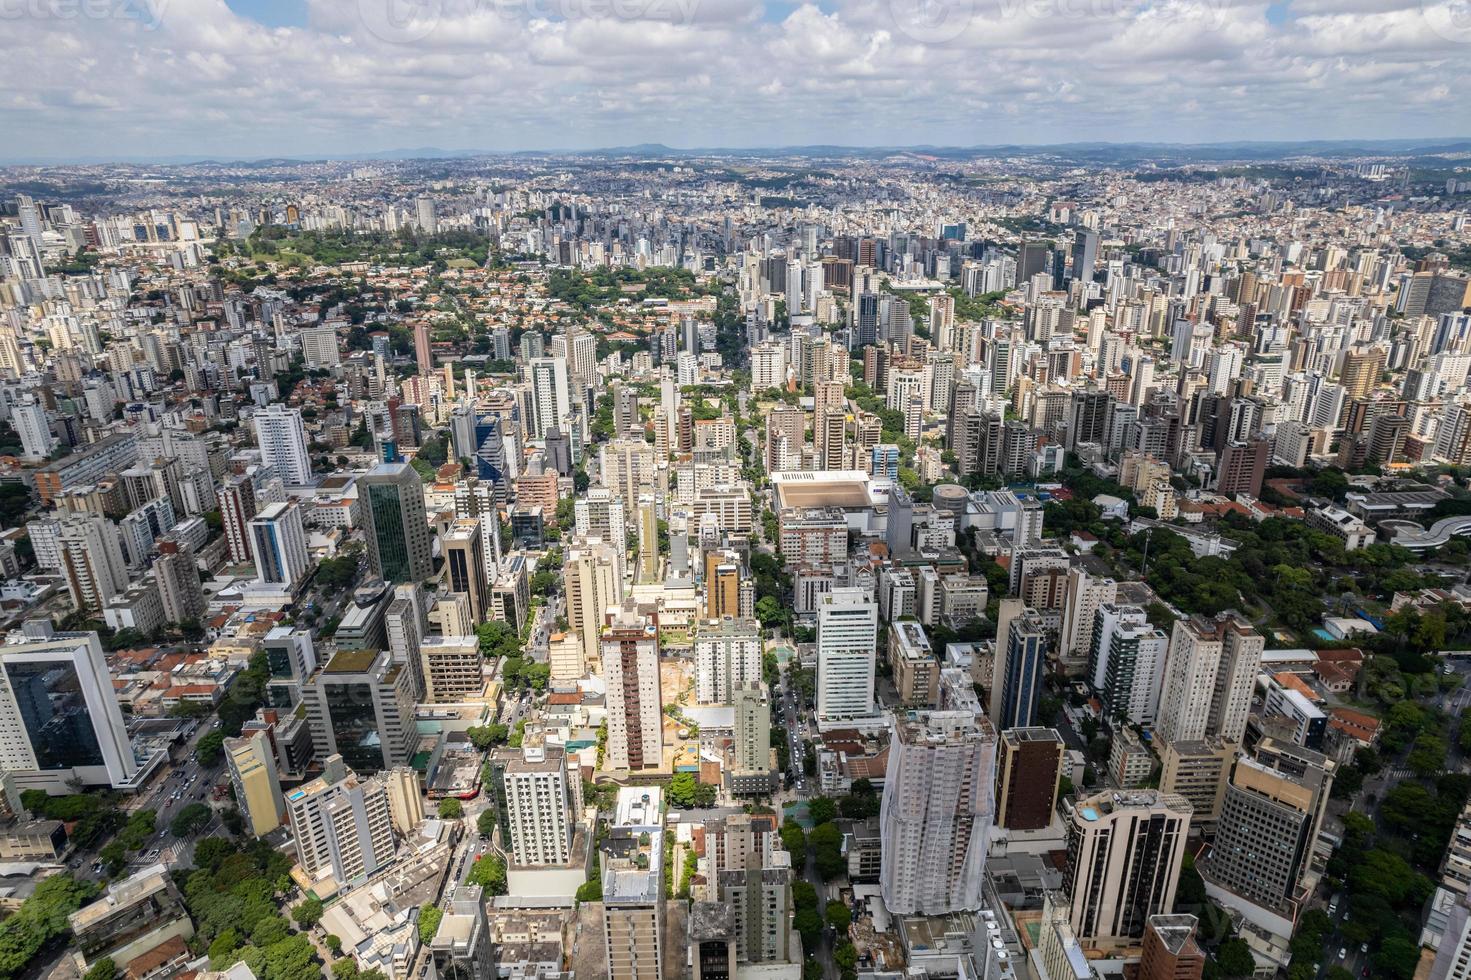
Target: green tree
{"points": [[793, 838], [485, 823], [822, 809], [809, 924], [429, 916], [308, 912], [210, 748], [838, 916], [769, 611], [489, 872], [826, 842], [485, 737], [682, 790], [103, 969], [451, 809], [1397, 958], [1428, 756], [191, 819], [1235, 959], [40, 919]]}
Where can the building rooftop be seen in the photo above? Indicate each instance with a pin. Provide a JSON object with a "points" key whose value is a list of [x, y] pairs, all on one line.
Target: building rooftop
{"points": [[351, 661]]}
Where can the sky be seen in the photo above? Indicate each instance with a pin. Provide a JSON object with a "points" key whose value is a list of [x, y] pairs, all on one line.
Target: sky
{"points": [[240, 79]]}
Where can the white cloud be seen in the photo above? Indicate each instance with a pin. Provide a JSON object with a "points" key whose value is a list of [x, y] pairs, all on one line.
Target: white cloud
{"points": [[368, 75]]}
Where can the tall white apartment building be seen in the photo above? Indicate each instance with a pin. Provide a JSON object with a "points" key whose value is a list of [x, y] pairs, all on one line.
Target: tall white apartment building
{"points": [[278, 541], [550, 398], [1083, 594], [281, 436], [938, 806], [599, 514], [1126, 663], [341, 823], [1124, 856], [319, 346], [592, 576], [847, 638], [727, 654], [539, 805], [630, 651], [1209, 676], [768, 366], [30, 423], [91, 554]]}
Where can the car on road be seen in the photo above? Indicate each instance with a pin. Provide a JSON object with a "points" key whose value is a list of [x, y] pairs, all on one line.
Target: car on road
{"points": [[1342, 952], [1363, 947]]}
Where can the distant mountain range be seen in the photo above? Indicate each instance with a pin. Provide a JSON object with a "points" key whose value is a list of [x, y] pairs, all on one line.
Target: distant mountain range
{"points": [[1116, 154]]}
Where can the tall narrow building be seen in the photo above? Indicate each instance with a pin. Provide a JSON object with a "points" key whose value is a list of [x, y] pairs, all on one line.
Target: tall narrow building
{"points": [[1210, 673], [396, 523], [937, 811], [847, 641], [1123, 863], [281, 436], [464, 560], [630, 651], [590, 575], [252, 763], [536, 801], [727, 654], [278, 541]]}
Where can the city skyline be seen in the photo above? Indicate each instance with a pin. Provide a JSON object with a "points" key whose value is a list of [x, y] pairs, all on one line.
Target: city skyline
{"points": [[196, 79]]}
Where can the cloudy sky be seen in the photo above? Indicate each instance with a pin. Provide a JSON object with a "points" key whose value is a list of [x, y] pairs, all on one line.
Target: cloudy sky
{"points": [[251, 78]]}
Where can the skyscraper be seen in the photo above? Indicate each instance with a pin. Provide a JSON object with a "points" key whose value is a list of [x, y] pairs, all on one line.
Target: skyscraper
{"points": [[281, 436], [1170, 949], [752, 875], [461, 948], [535, 798], [464, 561], [341, 823], [278, 542], [179, 587], [1124, 855], [591, 577], [30, 423], [632, 864], [237, 507], [550, 398], [396, 524], [91, 561], [1209, 676], [630, 651], [251, 760], [1269, 824], [937, 810], [1126, 662], [1085, 253], [727, 654], [751, 772], [361, 706], [847, 638], [59, 715], [1028, 774], [1017, 677]]}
